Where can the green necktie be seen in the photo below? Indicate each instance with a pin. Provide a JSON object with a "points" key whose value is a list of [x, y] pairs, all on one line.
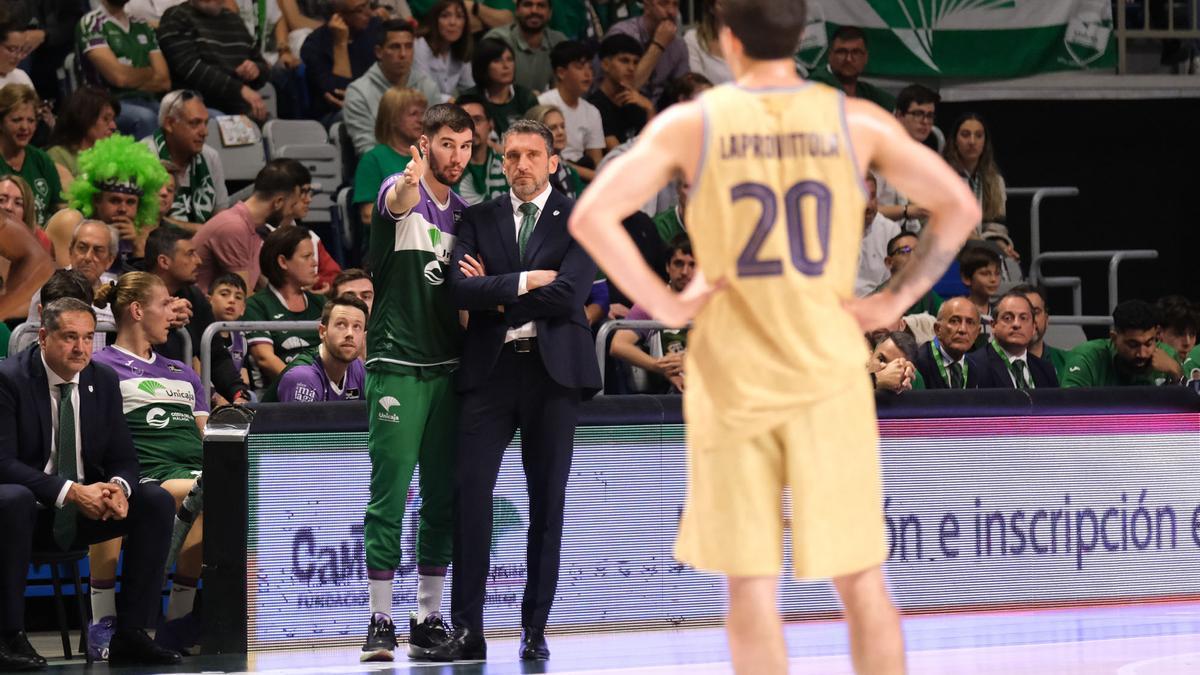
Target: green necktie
{"points": [[956, 376], [1018, 368], [528, 222], [64, 518]]}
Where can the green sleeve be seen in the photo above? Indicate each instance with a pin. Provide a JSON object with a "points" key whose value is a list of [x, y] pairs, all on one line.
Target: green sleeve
{"points": [[918, 382], [56, 190], [1083, 368], [367, 179], [1169, 350], [255, 311]]}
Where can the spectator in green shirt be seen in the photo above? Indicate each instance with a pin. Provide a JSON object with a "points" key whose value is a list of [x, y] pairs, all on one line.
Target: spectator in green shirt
{"points": [[1131, 355], [484, 177], [1041, 319], [397, 128], [494, 71], [848, 58], [19, 106], [1180, 319]]}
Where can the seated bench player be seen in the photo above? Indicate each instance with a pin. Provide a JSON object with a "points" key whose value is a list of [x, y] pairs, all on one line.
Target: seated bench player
{"points": [[335, 372]]}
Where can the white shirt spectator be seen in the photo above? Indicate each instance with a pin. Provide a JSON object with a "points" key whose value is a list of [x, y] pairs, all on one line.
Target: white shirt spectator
{"points": [[701, 62], [451, 75], [150, 10], [15, 76], [871, 270], [585, 130]]}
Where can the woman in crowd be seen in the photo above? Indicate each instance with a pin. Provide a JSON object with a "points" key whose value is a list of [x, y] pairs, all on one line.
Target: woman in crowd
{"points": [[397, 128], [15, 196], [970, 153], [704, 50], [165, 409], [89, 115], [566, 179], [494, 70], [444, 49], [288, 261], [18, 121]]}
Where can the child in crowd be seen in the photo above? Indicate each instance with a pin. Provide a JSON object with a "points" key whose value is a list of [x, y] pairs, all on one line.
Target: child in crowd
{"points": [[979, 267], [228, 300]]}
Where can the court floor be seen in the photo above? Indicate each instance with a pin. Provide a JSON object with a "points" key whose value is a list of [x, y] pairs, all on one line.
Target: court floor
{"points": [[1149, 639]]}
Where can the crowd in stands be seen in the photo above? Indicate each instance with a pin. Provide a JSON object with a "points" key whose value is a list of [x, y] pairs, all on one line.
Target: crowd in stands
{"points": [[118, 185]]}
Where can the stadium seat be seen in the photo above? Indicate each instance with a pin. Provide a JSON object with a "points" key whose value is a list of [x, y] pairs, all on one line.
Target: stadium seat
{"points": [[339, 135], [270, 99], [279, 133], [68, 76], [240, 163], [1064, 336]]}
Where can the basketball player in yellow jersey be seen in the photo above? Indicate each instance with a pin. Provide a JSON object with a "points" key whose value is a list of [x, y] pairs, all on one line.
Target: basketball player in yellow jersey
{"points": [[776, 395]]}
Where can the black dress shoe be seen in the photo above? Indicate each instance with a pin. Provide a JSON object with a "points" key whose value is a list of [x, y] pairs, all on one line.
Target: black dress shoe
{"points": [[533, 644], [12, 662], [132, 646], [464, 645], [18, 644]]}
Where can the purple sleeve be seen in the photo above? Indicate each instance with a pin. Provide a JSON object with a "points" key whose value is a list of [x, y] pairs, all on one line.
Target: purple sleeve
{"points": [[356, 378], [202, 405], [381, 199], [599, 295], [636, 313], [300, 385]]}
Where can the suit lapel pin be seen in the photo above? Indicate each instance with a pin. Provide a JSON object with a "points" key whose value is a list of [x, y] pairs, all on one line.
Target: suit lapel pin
{"points": [[91, 389], [555, 213]]}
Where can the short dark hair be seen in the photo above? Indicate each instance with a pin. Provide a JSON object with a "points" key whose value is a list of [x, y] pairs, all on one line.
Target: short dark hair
{"points": [[682, 88], [275, 178], [974, 258], [344, 300], [1135, 315], [52, 313], [393, 26], [917, 94], [66, 283], [1013, 293], [892, 242], [767, 29], [567, 52], [904, 341], [282, 242], [1177, 313], [524, 126], [229, 279], [346, 276], [619, 43], [469, 98], [446, 115], [161, 241], [682, 243], [300, 174], [488, 50], [1030, 289], [79, 113], [849, 34]]}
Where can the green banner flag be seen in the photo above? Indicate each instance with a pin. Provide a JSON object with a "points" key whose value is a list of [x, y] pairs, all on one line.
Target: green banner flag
{"points": [[967, 38]]}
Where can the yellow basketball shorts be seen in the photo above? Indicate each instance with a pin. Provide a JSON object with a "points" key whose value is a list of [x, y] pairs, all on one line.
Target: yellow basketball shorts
{"points": [[828, 455]]}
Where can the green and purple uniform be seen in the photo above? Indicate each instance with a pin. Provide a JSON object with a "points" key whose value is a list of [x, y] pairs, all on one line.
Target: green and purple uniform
{"points": [[413, 345], [161, 399]]}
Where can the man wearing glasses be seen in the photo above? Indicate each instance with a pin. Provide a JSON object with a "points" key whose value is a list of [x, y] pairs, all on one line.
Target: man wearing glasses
{"points": [[899, 252], [916, 108], [200, 187], [848, 59]]}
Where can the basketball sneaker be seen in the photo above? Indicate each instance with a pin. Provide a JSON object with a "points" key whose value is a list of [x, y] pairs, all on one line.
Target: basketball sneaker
{"points": [[424, 636], [381, 639], [99, 635]]}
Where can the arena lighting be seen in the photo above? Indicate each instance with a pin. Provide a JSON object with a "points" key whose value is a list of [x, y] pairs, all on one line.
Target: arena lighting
{"points": [[1071, 499]]}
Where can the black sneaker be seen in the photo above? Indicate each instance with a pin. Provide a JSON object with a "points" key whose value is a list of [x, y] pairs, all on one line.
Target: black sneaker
{"points": [[381, 639], [425, 636]]}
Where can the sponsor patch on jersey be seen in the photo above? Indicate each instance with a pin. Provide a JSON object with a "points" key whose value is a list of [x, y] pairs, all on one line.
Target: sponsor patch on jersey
{"points": [[433, 273], [174, 368], [157, 418], [304, 394]]}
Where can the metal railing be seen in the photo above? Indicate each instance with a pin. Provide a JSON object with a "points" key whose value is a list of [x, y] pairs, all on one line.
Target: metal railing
{"points": [[1114, 258], [210, 334], [1181, 19], [608, 328], [20, 338], [1039, 194]]}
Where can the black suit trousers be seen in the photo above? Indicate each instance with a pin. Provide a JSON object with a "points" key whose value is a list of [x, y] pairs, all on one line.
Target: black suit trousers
{"points": [[147, 529], [519, 393]]}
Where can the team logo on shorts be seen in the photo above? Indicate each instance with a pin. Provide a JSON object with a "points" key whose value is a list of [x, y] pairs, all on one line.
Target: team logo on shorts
{"points": [[386, 404], [157, 418]]}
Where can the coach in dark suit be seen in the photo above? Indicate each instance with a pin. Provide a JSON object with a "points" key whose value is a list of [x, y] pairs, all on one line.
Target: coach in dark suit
{"points": [[1005, 361], [943, 362], [528, 359], [69, 478]]}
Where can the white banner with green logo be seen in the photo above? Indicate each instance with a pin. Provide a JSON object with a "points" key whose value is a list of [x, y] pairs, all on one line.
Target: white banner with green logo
{"points": [[967, 38]]}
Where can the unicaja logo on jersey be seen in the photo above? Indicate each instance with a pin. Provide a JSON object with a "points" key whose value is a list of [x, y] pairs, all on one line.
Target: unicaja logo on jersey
{"points": [[433, 273], [385, 413], [151, 387], [157, 418]]}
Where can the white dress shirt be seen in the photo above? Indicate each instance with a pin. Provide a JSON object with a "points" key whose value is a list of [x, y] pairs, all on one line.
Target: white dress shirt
{"points": [[525, 330], [1023, 358], [52, 466], [872, 271]]}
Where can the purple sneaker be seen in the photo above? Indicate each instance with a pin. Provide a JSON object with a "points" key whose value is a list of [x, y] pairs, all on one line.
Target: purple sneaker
{"points": [[99, 635], [181, 635]]}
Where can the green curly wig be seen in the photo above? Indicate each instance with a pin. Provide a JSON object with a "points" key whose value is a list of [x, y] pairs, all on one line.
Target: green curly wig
{"points": [[118, 158]]}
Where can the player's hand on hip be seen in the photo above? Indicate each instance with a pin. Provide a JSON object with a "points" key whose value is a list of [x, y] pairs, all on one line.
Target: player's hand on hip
{"points": [[874, 311], [679, 308]]}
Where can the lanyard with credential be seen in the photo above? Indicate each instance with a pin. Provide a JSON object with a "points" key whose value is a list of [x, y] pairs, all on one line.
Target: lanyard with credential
{"points": [[1008, 364], [941, 366]]}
